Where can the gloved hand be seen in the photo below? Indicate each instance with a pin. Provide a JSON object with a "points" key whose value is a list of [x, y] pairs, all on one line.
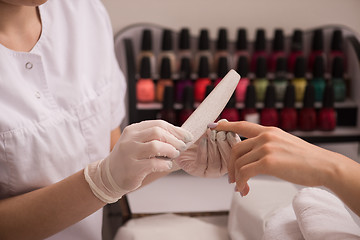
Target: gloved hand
{"points": [[134, 157], [208, 156]]}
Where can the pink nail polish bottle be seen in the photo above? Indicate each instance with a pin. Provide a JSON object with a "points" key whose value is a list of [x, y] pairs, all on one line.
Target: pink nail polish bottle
{"points": [[188, 105], [250, 113], [184, 78], [203, 80], [145, 87], [269, 115], [327, 114], [296, 48], [222, 69], [242, 69], [259, 49], [288, 114], [278, 49], [307, 115]]}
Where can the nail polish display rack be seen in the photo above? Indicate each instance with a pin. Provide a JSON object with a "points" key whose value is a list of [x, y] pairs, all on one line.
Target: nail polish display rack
{"points": [[127, 48]]}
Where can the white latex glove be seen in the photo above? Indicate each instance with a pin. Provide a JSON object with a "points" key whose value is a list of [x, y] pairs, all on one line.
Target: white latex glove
{"points": [[208, 156], [134, 157]]}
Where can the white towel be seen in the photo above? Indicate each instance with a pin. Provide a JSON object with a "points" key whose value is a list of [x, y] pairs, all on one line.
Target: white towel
{"points": [[170, 226], [282, 226], [321, 215]]}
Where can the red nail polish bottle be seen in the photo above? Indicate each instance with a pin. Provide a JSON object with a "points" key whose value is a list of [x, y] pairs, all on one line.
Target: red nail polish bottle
{"points": [[259, 49], [168, 112], [165, 79], [250, 113], [202, 81], [278, 49], [327, 114], [222, 69], [188, 104], [242, 69], [307, 115], [317, 48], [145, 87], [230, 112], [269, 115], [296, 49], [184, 78], [288, 115]]}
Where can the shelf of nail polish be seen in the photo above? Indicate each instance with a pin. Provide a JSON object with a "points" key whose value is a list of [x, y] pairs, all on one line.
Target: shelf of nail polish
{"points": [[157, 59]]}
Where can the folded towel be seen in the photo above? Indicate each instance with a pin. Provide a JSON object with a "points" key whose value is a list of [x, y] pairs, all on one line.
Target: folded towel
{"points": [[282, 225], [321, 215], [170, 226]]}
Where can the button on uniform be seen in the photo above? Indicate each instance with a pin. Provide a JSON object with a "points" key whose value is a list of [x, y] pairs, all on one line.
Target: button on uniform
{"points": [[29, 65]]}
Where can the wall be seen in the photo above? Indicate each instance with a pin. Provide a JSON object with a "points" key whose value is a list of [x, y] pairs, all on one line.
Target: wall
{"points": [[288, 14]]}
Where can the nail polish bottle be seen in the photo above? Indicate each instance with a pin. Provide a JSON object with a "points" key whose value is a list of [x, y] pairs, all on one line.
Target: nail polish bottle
{"points": [[184, 47], [242, 45], [168, 112], [242, 69], [269, 115], [278, 49], [307, 115], [147, 51], [188, 105], [145, 87], [336, 49], [338, 79], [230, 112], [318, 80], [165, 78], [250, 113], [299, 79], [261, 82], [167, 49], [327, 114], [203, 80], [184, 78], [288, 114], [280, 80], [222, 69], [259, 49], [204, 50], [222, 50], [317, 48], [296, 49]]}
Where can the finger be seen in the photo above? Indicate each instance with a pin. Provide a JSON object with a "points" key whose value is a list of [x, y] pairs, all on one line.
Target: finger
{"points": [[214, 163], [245, 173], [160, 134], [156, 148], [243, 128], [232, 138]]}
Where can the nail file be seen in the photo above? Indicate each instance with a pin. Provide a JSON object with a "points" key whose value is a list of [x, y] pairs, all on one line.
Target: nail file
{"points": [[211, 107]]}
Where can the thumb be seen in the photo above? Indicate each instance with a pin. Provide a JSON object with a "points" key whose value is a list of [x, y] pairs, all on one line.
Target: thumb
{"points": [[243, 128]]}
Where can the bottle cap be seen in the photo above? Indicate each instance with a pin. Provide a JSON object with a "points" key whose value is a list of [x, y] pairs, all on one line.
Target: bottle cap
{"points": [[222, 67], [250, 96], [241, 42], [281, 67], [203, 67], [243, 66], [278, 43], [204, 40], [185, 68], [165, 71], [318, 40], [184, 42], [297, 40], [168, 100], [167, 43], [337, 40], [270, 95], [232, 102], [328, 98], [309, 96], [260, 42], [208, 90], [261, 67], [338, 67], [318, 70], [145, 69], [146, 42], [222, 40], [289, 98], [188, 101], [299, 69]]}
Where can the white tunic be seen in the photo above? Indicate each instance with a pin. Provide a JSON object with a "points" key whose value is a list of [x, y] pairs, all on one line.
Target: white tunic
{"points": [[59, 103]]}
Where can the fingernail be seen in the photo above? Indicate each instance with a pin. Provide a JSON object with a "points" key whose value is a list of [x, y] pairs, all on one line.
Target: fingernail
{"points": [[212, 125], [170, 164], [241, 194], [236, 188]]}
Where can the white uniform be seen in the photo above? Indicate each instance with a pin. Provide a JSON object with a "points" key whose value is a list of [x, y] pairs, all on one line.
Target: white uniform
{"points": [[59, 103]]}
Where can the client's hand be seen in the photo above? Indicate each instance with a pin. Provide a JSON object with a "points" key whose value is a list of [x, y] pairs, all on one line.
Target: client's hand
{"points": [[271, 151], [208, 156]]}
